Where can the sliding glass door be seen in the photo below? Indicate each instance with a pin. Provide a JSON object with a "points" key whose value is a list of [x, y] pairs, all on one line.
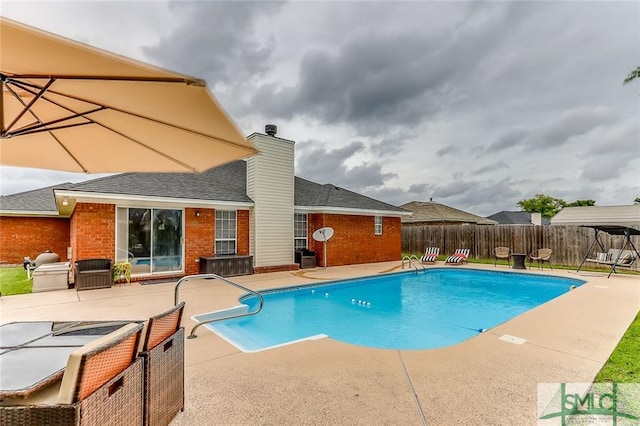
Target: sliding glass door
{"points": [[150, 239]]}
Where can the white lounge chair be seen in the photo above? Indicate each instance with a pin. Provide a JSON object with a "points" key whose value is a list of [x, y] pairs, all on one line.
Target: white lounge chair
{"points": [[458, 257]]}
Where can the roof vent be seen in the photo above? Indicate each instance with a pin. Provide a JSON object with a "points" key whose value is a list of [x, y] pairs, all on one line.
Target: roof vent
{"points": [[271, 129]]}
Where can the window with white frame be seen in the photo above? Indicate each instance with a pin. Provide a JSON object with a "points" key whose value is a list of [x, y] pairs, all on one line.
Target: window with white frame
{"points": [[377, 225], [300, 231], [225, 232]]}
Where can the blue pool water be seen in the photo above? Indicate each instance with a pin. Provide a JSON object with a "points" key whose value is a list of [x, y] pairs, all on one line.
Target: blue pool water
{"points": [[428, 309]]}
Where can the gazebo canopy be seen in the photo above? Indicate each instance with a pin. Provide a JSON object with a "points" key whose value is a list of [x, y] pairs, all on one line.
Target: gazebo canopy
{"points": [[614, 229]]}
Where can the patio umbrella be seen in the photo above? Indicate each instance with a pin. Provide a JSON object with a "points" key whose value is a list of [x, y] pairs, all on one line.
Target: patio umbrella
{"points": [[69, 106]]}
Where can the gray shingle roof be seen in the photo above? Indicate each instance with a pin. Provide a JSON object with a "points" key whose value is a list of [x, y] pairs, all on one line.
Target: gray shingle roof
{"points": [[223, 183], [36, 200], [430, 211], [514, 218], [311, 194]]}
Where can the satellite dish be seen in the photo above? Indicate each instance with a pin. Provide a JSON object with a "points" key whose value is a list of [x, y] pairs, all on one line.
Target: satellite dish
{"points": [[323, 234]]}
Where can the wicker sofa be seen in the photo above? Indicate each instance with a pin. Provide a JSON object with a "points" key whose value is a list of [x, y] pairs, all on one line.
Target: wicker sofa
{"points": [[102, 385], [93, 273]]}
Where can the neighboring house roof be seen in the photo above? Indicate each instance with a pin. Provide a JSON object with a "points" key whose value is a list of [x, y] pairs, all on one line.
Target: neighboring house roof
{"points": [[430, 211], [514, 218], [38, 201], [599, 215], [225, 183], [315, 195]]}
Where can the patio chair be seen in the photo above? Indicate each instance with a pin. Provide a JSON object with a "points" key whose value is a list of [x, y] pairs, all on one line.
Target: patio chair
{"points": [[502, 253], [163, 353], [458, 257], [431, 255], [93, 273], [101, 384], [540, 256]]}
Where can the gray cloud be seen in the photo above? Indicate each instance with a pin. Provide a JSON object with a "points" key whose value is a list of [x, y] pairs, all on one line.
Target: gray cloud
{"points": [[603, 162], [490, 168], [216, 40], [573, 123], [477, 104], [323, 165], [448, 150], [509, 139]]}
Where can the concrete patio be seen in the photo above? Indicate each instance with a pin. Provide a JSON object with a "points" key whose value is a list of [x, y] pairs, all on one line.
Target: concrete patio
{"points": [[481, 381]]}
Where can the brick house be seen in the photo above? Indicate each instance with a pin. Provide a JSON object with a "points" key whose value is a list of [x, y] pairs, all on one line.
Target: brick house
{"points": [[164, 223]]}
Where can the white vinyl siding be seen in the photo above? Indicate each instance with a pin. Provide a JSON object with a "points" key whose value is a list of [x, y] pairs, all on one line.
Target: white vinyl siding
{"points": [[270, 185]]}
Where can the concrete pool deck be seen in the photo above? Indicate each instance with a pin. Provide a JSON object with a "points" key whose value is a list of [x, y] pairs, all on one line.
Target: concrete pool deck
{"points": [[484, 380]]}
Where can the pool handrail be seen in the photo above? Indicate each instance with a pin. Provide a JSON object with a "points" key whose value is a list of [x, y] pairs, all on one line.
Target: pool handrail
{"points": [[192, 335], [410, 259]]}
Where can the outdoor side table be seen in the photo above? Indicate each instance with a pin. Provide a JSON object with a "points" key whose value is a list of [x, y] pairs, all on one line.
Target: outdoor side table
{"points": [[34, 354], [518, 260]]}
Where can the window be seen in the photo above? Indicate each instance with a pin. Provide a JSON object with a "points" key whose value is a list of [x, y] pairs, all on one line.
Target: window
{"points": [[225, 232], [299, 231], [377, 225]]}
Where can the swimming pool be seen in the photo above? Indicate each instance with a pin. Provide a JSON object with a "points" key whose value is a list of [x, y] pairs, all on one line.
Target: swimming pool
{"points": [[411, 310]]}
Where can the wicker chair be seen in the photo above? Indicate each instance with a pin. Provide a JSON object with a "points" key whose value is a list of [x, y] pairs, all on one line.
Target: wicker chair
{"points": [[502, 253], [163, 353], [101, 385], [93, 273], [541, 255]]}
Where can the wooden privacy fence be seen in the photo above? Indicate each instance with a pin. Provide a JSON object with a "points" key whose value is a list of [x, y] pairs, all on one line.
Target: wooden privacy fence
{"points": [[568, 242]]}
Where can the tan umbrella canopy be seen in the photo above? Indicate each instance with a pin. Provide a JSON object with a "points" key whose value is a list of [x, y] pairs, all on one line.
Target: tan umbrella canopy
{"points": [[72, 107]]}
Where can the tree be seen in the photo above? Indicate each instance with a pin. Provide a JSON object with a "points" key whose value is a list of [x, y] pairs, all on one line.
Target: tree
{"points": [[636, 201], [632, 76], [544, 204], [580, 203]]}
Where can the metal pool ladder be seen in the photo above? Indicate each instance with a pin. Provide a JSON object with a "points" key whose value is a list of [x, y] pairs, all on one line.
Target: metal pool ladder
{"points": [[410, 260], [192, 335]]}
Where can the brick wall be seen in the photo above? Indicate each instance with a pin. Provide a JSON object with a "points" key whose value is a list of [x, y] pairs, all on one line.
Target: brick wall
{"points": [[242, 232], [199, 237], [93, 231], [354, 240], [30, 236]]}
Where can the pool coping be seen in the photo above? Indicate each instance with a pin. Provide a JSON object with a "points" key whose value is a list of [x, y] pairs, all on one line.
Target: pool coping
{"points": [[330, 284]]}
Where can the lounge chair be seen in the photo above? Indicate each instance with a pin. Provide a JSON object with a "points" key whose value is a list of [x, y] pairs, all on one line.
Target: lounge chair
{"points": [[163, 353], [540, 256], [101, 382], [502, 253], [431, 255], [458, 257]]}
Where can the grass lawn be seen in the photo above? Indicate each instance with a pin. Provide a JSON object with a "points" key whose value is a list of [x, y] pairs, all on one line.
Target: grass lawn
{"points": [[13, 280], [623, 366]]}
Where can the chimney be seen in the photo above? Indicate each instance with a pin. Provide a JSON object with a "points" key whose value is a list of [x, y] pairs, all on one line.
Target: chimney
{"points": [[536, 218], [271, 129]]}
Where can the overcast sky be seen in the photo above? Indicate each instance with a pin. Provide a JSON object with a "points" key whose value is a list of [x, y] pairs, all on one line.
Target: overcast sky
{"points": [[474, 104]]}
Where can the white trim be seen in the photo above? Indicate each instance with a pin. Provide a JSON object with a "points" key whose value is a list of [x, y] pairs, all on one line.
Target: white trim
{"points": [[375, 225], [34, 213], [120, 199], [348, 211]]}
